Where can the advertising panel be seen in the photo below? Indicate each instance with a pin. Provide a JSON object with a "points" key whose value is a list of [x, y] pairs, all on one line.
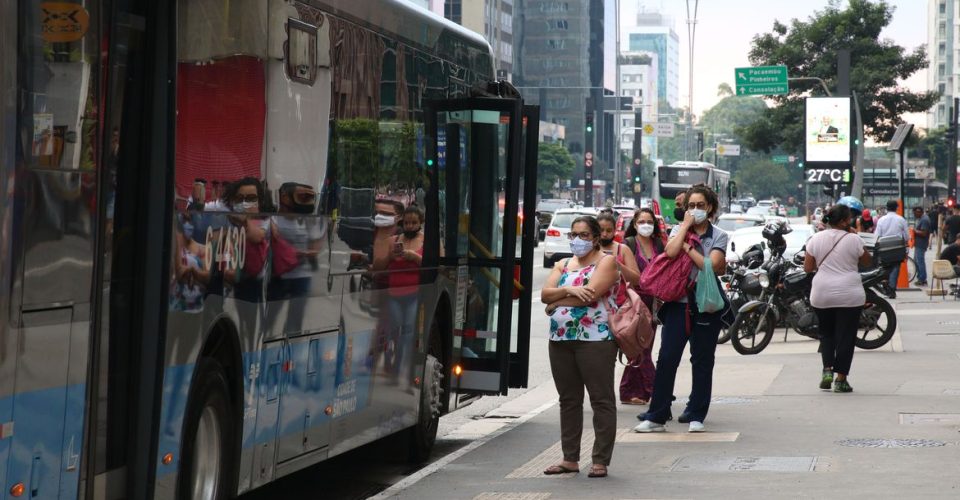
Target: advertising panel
{"points": [[827, 136]]}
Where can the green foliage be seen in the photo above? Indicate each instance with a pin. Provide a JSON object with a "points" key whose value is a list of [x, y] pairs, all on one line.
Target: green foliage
{"points": [[765, 179], [368, 153], [554, 163], [809, 49], [935, 147]]}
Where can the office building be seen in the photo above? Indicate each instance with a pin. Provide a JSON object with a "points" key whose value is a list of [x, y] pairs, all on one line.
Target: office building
{"points": [[943, 76], [494, 20], [638, 80], [654, 33]]}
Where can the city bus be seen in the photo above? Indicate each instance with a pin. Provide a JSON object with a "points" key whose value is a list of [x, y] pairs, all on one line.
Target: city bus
{"points": [[679, 176], [241, 237]]}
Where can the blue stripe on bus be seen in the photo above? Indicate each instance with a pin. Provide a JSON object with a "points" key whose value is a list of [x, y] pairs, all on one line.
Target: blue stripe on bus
{"points": [[47, 441], [345, 387]]}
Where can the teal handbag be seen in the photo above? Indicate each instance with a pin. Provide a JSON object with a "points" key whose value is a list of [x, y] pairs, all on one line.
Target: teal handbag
{"points": [[709, 297]]}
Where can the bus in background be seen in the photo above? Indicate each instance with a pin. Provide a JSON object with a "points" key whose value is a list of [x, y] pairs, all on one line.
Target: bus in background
{"points": [[242, 237], [680, 176]]}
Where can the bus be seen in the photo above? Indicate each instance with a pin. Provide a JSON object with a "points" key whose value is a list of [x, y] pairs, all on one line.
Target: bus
{"points": [[241, 237], [680, 176]]}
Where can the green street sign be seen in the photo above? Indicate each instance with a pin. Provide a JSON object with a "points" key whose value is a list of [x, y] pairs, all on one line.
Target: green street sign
{"points": [[781, 159], [761, 80]]}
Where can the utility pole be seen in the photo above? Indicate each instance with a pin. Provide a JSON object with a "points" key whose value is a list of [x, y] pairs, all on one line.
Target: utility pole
{"points": [[691, 36], [638, 157], [618, 164], [952, 151]]}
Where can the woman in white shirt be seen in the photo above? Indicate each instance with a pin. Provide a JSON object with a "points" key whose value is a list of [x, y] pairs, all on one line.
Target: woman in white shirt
{"points": [[837, 294]]}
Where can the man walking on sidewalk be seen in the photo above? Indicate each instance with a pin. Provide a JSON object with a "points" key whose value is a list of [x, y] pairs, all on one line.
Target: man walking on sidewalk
{"points": [[893, 224], [921, 241]]}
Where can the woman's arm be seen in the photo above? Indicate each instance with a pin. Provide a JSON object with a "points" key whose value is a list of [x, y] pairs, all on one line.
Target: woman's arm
{"points": [[719, 260], [676, 244], [809, 263], [630, 269], [866, 259]]}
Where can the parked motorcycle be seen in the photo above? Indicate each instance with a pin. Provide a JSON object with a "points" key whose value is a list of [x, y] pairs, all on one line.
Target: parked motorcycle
{"points": [[741, 282], [785, 301]]}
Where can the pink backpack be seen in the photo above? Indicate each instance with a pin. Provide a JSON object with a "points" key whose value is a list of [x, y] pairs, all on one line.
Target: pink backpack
{"points": [[630, 324], [668, 279]]}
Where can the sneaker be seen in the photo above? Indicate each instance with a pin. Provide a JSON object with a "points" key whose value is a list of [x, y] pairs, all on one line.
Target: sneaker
{"points": [[648, 426], [684, 418], [920, 283], [696, 426], [842, 386], [826, 380]]}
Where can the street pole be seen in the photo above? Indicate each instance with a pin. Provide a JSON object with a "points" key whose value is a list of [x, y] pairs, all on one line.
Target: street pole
{"points": [[952, 151], [691, 35], [617, 164], [638, 154]]}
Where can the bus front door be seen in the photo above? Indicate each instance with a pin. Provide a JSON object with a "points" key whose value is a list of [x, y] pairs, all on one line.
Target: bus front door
{"points": [[475, 157]]}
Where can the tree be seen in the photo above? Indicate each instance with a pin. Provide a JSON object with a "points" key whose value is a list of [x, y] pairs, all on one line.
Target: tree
{"points": [[554, 163], [724, 90], [809, 49], [933, 146], [764, 179]]}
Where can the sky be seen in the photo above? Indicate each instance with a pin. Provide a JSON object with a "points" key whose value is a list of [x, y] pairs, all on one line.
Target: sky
{"points": [[725, 29]]}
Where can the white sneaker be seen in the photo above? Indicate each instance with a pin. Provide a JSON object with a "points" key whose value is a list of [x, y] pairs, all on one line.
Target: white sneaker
{"points": [[648, 426], [696, 427]]}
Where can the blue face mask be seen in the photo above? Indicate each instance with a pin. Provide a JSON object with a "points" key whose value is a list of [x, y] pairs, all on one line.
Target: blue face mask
{"points": [[580, 247], [699, 215]]}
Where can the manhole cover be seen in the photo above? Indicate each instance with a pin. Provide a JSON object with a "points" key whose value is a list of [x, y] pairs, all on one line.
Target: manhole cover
{"points": [[744, 464], [891, 443]]}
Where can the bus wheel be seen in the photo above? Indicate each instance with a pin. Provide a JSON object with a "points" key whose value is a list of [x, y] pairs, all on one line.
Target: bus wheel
{"points": [[424, 434], [208, 436]]}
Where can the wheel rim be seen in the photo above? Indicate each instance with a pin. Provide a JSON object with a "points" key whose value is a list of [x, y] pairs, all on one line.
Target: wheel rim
{"points": [[753, 329], [206, 456], [874, 319], [433, 389]]}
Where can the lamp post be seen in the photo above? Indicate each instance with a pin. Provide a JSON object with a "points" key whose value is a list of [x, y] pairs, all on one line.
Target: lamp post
{"points": [[691, 36]]}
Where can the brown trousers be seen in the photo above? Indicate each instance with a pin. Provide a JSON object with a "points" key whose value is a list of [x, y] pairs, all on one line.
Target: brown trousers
{"points": [[577, 364]]}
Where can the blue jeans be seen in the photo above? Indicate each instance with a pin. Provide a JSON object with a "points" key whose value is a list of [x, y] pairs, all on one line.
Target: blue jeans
{"points": [[919, 255], [894, 275], [704, 330]]}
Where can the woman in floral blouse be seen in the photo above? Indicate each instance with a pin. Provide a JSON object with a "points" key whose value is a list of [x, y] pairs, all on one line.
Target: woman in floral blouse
{"points": [[582, 349]]}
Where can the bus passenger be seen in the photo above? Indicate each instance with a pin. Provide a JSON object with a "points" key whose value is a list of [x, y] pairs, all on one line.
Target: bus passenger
{"points": [[682, 322], [582, 348], [644, 237]]}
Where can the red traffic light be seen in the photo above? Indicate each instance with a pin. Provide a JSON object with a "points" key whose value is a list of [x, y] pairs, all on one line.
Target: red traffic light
{"points": [[951, 202]]}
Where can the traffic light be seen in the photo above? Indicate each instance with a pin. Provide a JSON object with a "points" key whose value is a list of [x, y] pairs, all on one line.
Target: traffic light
{"points": [[951, 201], [589, 122], [950, 134], [800, 164], [699, 143]]}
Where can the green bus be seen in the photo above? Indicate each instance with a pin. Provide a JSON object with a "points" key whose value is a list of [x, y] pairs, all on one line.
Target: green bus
{"points": [[679, 176]]}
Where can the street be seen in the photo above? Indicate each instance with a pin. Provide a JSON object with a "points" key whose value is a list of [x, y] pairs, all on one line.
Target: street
{"points": [[770, 433]]}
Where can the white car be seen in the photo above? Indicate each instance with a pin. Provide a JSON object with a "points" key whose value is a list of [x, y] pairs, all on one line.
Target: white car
{"points": [[760, 210], [742, 239], [556, 245], [732, 222]]}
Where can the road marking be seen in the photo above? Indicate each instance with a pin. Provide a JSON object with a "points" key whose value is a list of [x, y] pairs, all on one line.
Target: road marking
{"points": [[533, 495], [412, 479]]}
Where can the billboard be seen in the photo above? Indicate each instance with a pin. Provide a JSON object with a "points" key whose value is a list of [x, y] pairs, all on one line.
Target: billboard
{"points": [[827, 130]]}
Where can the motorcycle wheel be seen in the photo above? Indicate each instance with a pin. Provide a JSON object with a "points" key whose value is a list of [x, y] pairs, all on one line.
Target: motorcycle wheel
{"points": [[878, 322], [724, 336], [751, 331]]}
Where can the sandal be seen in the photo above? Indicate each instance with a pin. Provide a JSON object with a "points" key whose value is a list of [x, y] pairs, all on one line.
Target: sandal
{"points": [[559, 469], [635, 401], [598, 471]]}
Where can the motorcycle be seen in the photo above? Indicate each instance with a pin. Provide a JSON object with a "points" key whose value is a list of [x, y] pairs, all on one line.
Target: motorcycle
{"points": [[741, 282], [785, 301]]}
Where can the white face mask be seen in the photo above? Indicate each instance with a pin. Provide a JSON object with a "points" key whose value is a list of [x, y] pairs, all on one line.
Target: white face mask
{"points": [[699, 215], [245, 206], [644, 229], [381, 220]]}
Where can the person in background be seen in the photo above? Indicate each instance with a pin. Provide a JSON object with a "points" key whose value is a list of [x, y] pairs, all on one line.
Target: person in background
{"points": [[298, 202], [934, 215], [865, 222], [893, 224], [952, 225], [951, 253], [683, 323], [837, 294], [921, 241], [582, 348], [644, 238]]}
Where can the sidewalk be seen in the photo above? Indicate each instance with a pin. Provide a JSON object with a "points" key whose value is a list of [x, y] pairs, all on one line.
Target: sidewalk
{"points": [[771, 432]]}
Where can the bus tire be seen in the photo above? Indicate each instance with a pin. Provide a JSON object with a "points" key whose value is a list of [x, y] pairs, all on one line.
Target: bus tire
{"points": [[209, 433], [423, 435]]}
